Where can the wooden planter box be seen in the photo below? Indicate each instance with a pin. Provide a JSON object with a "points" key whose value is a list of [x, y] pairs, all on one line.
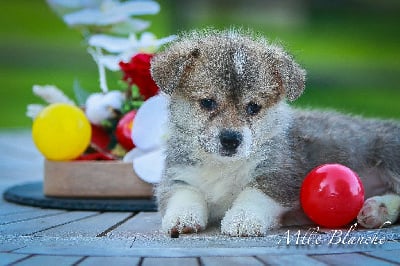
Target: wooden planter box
{"points": [[94, 179]]}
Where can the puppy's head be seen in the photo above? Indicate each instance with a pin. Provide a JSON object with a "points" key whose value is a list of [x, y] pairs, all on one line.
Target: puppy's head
{"points": [[226, 88]]}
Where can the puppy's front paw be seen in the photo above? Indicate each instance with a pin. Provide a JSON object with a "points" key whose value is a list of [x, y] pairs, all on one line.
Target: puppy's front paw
{"points": [[253, 213], [186, 213], [183, 222], [243, 223]]}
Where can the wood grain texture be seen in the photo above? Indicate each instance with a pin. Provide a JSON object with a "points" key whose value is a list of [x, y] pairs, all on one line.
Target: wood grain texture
{"points": [[354, 259], [49, 260], [7, 208], [298, 260], [89, 227], [9, 258], [231, 261], [93, 179], [170, 262], [144, 222], [390, 255], [27, 215], [36, 225], [108, 261]]}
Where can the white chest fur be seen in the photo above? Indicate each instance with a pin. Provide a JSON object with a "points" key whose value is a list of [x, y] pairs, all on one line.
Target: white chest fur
{"points": [[220, 182]]}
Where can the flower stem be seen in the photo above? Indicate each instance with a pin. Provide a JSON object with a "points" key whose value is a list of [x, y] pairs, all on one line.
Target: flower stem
{"points": [[96, 54]]}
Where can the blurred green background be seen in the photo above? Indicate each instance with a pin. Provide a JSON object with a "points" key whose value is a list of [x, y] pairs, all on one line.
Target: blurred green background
{"points": [[349, 48]]}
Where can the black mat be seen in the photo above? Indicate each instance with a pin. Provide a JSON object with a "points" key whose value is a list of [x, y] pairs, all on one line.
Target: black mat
{"points": [[32, 194]]}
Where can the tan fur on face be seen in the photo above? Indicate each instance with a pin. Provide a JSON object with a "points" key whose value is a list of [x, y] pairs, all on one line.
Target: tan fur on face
{"points": [[222, 60], [233, 70]]}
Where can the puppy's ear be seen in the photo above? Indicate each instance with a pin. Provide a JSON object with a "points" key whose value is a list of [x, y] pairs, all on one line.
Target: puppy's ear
{"points": [[288, 73], [169, 67]]}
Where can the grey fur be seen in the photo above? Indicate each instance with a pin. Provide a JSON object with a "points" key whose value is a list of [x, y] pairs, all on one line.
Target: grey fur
{"points": [[234, 69]]}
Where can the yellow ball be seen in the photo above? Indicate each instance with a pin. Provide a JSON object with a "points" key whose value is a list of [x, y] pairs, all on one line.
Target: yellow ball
{"points": [[61, 132]]}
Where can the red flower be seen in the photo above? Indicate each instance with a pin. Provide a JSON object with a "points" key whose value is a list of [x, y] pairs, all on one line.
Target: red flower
{"points": [[137, 72]]}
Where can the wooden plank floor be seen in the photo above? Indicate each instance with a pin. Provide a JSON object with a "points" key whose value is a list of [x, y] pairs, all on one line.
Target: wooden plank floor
{"points": [[35, 236]]}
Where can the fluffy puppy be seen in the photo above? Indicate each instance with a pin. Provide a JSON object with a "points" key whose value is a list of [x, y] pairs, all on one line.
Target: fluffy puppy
{"points": [[238, 153]]}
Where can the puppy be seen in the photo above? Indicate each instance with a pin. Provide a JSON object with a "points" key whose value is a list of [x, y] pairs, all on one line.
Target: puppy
{"points": [[238, 153]]}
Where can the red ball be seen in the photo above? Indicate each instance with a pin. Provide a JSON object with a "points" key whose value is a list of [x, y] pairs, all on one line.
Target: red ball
{"points": [[332, 195]]}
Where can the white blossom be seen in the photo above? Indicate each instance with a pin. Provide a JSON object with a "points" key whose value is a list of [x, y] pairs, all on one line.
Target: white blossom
{"points": [[149, 128], [99, 58], [109, 18], [129, 25], [102, 106], [33, 110], [110, 12], [150, 166], [74, 4], [51, 94], [123, 49], [149, 133]]}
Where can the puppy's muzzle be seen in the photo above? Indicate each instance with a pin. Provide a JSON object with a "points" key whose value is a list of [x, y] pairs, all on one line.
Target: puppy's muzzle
{"points": [[230, 141]]}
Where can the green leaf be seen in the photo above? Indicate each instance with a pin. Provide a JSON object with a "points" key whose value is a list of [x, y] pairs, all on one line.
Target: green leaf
{"points": [[136, 104], [135, 92], [122, 85], [81, 94]]}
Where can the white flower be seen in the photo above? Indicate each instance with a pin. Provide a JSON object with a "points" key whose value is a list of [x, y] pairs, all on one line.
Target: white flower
{"points": [[122, 49], [146, 42], [102, 106], [62, 7], [109, 12], [150, 166], [74, 4], [111, 17], [129, 25], [149, 128], [34, 109], [51, 94], [149, 133], [99, 58]]}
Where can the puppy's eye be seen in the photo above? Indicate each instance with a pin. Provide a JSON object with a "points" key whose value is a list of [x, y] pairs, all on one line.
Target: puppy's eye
{"points": [[208, 104], [253, 108]]}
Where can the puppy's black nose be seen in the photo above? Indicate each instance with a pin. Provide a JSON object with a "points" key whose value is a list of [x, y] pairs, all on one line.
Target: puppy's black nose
{"points": [[230, 140]]}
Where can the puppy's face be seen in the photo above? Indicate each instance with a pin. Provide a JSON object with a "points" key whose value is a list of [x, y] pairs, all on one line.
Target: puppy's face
{"points": [[225, 90]]}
